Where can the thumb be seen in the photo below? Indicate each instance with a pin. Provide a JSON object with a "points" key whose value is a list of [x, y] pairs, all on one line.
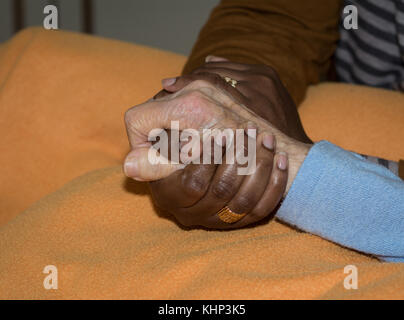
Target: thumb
{"points": [[140, 165], [182, 112], [176, 84]]}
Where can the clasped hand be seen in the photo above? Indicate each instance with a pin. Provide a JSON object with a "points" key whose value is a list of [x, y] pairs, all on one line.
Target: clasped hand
{"points": [[194, 193]]}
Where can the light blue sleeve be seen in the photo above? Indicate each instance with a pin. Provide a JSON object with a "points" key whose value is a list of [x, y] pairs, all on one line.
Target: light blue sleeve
{"points": [[340, 196]]}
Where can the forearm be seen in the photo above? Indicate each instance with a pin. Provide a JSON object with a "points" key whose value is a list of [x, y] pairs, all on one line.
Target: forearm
{"points": [[296, 38], [344, 198]]}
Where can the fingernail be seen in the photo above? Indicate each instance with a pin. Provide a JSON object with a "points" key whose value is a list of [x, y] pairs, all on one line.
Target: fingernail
{"points": [[269, 141], [211, 58], [282, 162], [168, 82], [131, 168]]}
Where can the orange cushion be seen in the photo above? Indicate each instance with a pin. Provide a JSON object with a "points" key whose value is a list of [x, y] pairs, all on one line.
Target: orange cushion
{"points": [[363, 119], [63, 97]]}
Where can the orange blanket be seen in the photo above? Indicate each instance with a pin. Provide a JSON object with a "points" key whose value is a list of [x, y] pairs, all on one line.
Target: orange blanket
{"points": [[62, 99]]}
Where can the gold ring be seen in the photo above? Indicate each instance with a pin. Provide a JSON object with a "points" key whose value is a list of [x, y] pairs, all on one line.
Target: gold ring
{"points": [[231, 81], [228, 216]]}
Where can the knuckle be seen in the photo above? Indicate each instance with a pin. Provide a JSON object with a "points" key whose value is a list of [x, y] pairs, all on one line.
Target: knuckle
{"points": [[128, 116], [194, 185], [198, 71], [244, 203], [194, 99], [204, 78], [272, 72], [198, 103], [266, 80], [264, 163], [195, 95], [224, 189], [210, 78], [217, 79], [200, 83], [185, 81]]}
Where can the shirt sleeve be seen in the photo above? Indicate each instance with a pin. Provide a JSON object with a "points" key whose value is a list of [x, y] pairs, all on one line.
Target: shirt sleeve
{"points": [[340, 196], [296, 38]]}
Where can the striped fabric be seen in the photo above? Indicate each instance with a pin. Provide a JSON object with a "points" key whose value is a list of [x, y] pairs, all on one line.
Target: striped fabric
{"points": [[391, 165], [374, 53]]}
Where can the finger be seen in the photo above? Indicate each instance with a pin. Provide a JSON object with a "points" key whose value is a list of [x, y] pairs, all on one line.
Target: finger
{"points": [[223, 186], [247, 89], [202, 74], [179, 83], [243, 86], [222, 72], [169, 82], [214, 79], [141, 165], [274, 192], [254, 185], [228, 64], [212, 58], [241, 93], [161, 94], [183, 188]]}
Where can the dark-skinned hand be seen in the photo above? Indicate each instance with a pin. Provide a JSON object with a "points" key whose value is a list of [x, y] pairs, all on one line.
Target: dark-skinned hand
{"points": [[195, 194], [259, 88]]}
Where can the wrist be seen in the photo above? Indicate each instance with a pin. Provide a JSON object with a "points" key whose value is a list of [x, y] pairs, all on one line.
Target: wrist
{"points": [[297, 153], [296, 150]]}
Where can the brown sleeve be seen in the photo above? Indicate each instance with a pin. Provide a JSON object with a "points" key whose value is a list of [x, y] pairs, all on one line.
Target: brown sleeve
{"points": [[297, 38], [401, 169]]}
